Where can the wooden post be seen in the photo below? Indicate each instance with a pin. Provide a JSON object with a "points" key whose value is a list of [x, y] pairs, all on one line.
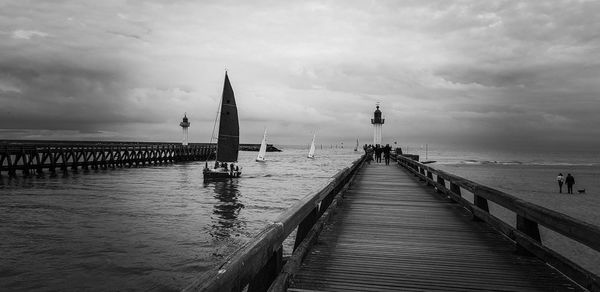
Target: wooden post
{"points": [[95, 153], [12, 172], [25, 162], [268, 273], [305, 226], [530, 228], [65, 160], [430, 177], [85, 153], [52, 154], [454, 188], [75, 158], [481, 203], [128, 157], [2, 158], [119, 157], [40, 164], [441, 181]]}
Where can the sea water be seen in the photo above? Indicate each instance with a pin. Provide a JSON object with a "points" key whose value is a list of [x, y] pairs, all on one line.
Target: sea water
{"points": [[150, 228], [156, 228]]}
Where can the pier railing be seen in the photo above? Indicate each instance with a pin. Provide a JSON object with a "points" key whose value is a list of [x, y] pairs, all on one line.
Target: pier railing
{"points": [[526, 234], [35, 157], [258, 265]]}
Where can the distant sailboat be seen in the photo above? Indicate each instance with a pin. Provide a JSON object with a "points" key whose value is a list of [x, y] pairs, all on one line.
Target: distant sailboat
{"points": [[228, 142], [311, 152], [356, 147], [426, 160], [263, 148]]}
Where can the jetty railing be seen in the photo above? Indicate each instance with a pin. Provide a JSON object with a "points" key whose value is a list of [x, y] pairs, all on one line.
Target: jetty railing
{"points": [[529, 216], [258, 265], [30, 157]]}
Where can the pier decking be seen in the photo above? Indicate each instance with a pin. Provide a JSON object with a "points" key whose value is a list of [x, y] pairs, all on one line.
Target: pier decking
{"points": [[393, 234]]}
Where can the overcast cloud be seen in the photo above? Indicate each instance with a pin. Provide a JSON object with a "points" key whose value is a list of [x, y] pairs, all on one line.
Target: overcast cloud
{"points": [[483, 73]]}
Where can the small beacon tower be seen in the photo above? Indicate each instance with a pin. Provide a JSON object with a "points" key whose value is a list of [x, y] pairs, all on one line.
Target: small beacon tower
{"points": [[185, 125], [377, 123]]}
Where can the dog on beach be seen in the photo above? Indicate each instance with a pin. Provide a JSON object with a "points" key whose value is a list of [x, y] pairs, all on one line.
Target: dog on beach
{"points": [[581, 191]]}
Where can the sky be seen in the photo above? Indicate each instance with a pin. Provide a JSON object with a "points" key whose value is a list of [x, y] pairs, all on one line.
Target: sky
{"points": [[496, 74]]}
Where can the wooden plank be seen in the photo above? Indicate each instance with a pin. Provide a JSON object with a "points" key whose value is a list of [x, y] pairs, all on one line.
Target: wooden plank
{"points": [[392, 234]]}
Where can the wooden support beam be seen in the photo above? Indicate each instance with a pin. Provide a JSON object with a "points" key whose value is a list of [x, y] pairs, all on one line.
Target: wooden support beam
{"points": [[306, 225]]}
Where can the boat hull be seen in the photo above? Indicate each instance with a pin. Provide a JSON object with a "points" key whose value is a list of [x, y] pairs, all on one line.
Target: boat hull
{"points": [[220, 174]]}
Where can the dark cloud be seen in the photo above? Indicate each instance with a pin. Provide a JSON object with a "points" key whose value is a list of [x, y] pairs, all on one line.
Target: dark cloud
{"points": [[478, 72]]}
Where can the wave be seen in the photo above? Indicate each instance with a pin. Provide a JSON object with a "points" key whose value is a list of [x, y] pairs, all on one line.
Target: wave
{"points": [[473, 161], [517, 162]]}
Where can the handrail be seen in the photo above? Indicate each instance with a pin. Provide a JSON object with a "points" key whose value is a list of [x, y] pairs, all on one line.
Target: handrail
{"points": [[257, 263], [526, 234]]}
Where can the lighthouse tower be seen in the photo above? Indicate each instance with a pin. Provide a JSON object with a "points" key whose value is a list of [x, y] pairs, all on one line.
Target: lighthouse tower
{"points": [[377, 123], [185, 125]]}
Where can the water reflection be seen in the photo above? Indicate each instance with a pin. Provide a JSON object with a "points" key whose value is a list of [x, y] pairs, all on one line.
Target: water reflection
{"points": [[226, 210]]}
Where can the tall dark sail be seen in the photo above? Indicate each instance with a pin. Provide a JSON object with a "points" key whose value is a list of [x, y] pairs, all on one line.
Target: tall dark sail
{"points": [[228, 142]]}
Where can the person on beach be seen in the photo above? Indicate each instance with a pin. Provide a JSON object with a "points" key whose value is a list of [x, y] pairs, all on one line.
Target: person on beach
{"points": [[570, 181], [560, 179]]}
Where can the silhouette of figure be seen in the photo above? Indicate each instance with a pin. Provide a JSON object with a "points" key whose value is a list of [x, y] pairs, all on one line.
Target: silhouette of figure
{"points": [[560, 179], [369, 154], [378, 153], [570, 181], [386, 153]]}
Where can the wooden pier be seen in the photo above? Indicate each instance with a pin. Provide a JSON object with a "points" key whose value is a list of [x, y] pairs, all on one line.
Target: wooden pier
{"points": [[406, 227], [393, 234], [35, 157]]}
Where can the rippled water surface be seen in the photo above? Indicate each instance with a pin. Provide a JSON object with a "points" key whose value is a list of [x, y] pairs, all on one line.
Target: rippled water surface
{"points": [[151, 228]]}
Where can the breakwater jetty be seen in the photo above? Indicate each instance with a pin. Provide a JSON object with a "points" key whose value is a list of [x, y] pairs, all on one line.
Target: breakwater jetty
{"points": [[31, 157], [407, 227], [37, 157]]}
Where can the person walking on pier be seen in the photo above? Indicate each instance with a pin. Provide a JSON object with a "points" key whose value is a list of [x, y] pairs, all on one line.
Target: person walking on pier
{"points": [[386, 153], [560, 179], [378, 153], [570, 181], [369, 153]]}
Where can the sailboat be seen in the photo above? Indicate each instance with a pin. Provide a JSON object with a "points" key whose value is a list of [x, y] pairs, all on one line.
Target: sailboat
{"points": [[228, 141], [263, 148], [356, 147], [426, 160], [311, 152]]}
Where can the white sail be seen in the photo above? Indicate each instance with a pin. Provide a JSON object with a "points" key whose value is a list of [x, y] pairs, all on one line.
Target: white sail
{"points": [[356, 147], [263, 148], [311, 152]]}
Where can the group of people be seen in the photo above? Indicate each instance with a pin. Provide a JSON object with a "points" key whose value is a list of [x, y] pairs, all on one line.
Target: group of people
{"points": [[378, 150], [232, 168], [569, 181]]}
